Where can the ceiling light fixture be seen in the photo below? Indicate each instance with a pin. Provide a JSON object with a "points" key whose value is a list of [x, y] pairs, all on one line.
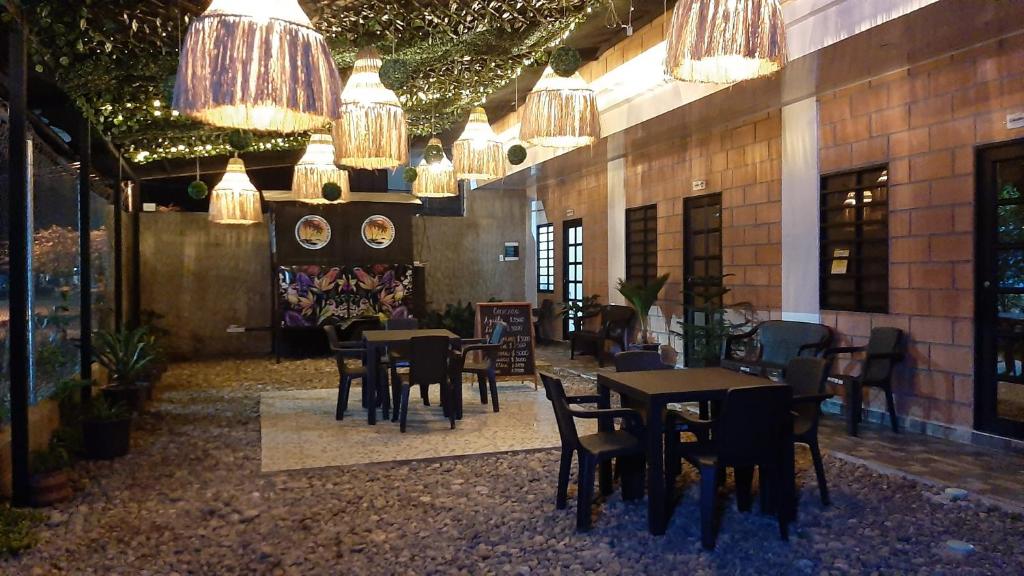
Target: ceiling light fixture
{"points": [[478, 153], [317, 168], [560, 112], [435, 179], [370, 131], [235, 200]]}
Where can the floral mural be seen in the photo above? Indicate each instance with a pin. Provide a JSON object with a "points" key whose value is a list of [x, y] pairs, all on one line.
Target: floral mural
{"points": [[311, 296]]}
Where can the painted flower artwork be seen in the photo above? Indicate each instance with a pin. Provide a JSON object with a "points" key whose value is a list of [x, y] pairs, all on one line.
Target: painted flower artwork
{"points": [[311, 296]]}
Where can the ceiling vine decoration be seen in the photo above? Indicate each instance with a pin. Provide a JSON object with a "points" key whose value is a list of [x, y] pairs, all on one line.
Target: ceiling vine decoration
{"points": [[114, 58]]}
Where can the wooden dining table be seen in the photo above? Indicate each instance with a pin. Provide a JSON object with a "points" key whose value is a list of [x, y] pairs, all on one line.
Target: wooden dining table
{"points": [[655, 390], [376, 343]]}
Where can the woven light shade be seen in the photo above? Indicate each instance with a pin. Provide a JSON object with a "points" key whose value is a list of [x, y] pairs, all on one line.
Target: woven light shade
{"points": [[317, 168], [560, 113], [478, 154], [234, 200], [725, 41], [435, 180], [370, 131], [256, 65]]}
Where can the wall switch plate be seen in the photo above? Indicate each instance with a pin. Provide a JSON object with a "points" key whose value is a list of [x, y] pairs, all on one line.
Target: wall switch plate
{"points": [[149, 206], [1015, 120], [700, 185]]}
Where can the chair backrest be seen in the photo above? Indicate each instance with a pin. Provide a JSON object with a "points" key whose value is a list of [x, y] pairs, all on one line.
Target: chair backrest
{"points": [[639, 360], [332, 336], [752, 427], [566, 425], [355, 328], [806, 376], [402, 324], [428, 359], [497, 333], [781, 340], [882, 341], [615, 321]]}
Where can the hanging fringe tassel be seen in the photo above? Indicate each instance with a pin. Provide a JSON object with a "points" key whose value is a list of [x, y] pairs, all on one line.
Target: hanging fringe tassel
{"points": [[725, 41], [234, 200], [478, 154], [435, 180], [560, 113], [238, 72], [317, 168], [370, 131]]}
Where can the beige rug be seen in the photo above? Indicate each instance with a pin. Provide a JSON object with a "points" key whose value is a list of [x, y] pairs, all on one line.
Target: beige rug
{"points": [[298, 429]]}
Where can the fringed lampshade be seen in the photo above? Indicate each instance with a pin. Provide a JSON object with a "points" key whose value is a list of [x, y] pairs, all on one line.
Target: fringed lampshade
{"points": [[437, 179], [478, 154], [234, 200], [256, 65], [725, 41], [317, 168], [560, 112], [370, 130]]}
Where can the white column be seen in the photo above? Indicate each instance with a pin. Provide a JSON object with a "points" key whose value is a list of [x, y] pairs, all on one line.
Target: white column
{"points": [[616, 177], [537, 217], [800, 211]]}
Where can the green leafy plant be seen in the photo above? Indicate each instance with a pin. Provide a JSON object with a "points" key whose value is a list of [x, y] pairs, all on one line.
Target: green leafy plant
{"points": [[458, 318], [706, 325], [18, 529], [409, 175], [642, 297], [102, 410], [579, 311], [52, 459], [124, 354], [565, 61]]}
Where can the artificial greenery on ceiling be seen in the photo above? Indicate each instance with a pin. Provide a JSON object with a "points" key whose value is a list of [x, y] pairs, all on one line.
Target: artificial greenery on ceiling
{"points": [[114, 57]]}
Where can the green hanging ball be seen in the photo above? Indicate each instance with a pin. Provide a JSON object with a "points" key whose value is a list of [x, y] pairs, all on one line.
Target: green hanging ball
{"points": [[395, 74], [516, 154], [565, 61], [240, 140], [331, 192], [433, 153], [198, 190], [410, 175]]}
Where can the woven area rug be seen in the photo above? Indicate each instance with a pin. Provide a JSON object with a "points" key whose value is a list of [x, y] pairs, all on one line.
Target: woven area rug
{"points": [[298, 429]]}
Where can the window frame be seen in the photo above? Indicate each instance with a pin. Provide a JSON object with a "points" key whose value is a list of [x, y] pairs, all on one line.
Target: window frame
{"points": [[646, 239], [546, 264]]}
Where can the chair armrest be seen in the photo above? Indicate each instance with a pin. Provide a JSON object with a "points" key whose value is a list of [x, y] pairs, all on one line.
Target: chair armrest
{"points": [[844, 350], [349, 352], [632, 417], [470, 341], [816, 346], [585, 399], [684, 422], [480, 347]]}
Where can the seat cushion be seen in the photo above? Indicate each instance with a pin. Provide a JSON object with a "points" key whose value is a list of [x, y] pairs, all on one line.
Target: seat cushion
{"points": [[611, 444]]}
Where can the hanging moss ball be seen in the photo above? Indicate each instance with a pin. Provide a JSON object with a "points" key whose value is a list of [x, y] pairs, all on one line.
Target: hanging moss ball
{"points": [[240, 140], [433, 153], [409, 175], [516, 154], [331, 192], [395, 74], [565, 61], [198, 190]]}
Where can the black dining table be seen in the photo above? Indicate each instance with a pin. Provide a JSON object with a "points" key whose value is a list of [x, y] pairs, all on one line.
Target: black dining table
{"points": [[655, 390], [376, 343]]}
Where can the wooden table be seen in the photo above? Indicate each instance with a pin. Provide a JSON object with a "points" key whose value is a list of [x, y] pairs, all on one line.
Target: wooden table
{"points": [[376, 342], [655, 390]]}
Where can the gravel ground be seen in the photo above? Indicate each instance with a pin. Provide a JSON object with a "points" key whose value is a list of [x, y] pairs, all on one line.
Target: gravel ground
{"points": [[189, 499]]}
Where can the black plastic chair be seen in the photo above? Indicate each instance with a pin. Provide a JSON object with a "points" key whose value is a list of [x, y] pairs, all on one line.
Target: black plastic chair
{"points": [[884, 351], [346, 374], [770, 345], [398, 354], [639, 360], [480, 356], [593, 449], [750, 432], [429, 358], [806, 376], [615, 323]]}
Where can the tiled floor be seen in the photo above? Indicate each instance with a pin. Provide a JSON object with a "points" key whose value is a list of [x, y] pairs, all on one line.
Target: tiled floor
{"points": [[995, 475]]}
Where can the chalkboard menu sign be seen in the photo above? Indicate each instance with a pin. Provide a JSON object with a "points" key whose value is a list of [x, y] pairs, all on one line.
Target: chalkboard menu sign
{"points": [[516, 357]]}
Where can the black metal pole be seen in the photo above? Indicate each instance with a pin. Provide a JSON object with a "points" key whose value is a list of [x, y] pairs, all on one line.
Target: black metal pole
{"points": [[118, 255], [19, 208], [135, 310], [85, 252]]}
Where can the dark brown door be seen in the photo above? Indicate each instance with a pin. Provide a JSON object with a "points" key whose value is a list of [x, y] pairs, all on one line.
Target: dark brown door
{"points": [[999, 372], [702, 266]]}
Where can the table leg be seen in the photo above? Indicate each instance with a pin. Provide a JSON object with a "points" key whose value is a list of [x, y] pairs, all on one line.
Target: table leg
{"points": [[371, 382], [656, 493]]}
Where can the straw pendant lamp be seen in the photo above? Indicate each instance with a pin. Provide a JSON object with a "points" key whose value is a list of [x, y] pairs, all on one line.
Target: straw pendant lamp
{"points": [[370, 130], [435, 179], [725, 41], [256, 65], [317, 168], [478, 154], [560, 112], [234, 200]]}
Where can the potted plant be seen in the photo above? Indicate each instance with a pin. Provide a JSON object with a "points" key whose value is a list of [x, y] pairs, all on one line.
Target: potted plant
{"points": [[577, 311], [106, 429], [125, 355], [642, 297], [49, 482], [706, 325]]}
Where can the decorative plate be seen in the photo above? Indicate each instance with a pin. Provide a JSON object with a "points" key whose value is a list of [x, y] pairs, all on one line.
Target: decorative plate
{"points": [[378, 231], [313, 232]]}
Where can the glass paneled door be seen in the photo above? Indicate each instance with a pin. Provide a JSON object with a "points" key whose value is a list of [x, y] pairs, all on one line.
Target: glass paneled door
{"points": [[999, 380], [702, 272], [572, 268]]}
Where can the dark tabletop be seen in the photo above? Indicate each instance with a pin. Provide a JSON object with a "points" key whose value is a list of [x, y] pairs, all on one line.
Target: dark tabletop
{"points": [[392, 336], [689, 383]]}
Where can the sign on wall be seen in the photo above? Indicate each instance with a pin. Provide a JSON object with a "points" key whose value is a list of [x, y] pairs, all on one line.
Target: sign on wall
{"points": [[312, 232], [378, 231]]}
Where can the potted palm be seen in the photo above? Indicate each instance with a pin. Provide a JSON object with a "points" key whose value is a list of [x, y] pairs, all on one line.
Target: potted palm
{"points": [[642, 298], [106, 429], [577, 311], [125, 355], [709, 323], [49, 482]]}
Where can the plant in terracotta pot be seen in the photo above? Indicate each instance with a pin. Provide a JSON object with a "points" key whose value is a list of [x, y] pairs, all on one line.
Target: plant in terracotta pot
{"points": [[126, 355], [642, 298], [49, 482], [106, 429]]}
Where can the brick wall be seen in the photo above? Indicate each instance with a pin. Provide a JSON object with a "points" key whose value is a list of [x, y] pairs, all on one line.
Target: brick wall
{"points": [[926, 122]]}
